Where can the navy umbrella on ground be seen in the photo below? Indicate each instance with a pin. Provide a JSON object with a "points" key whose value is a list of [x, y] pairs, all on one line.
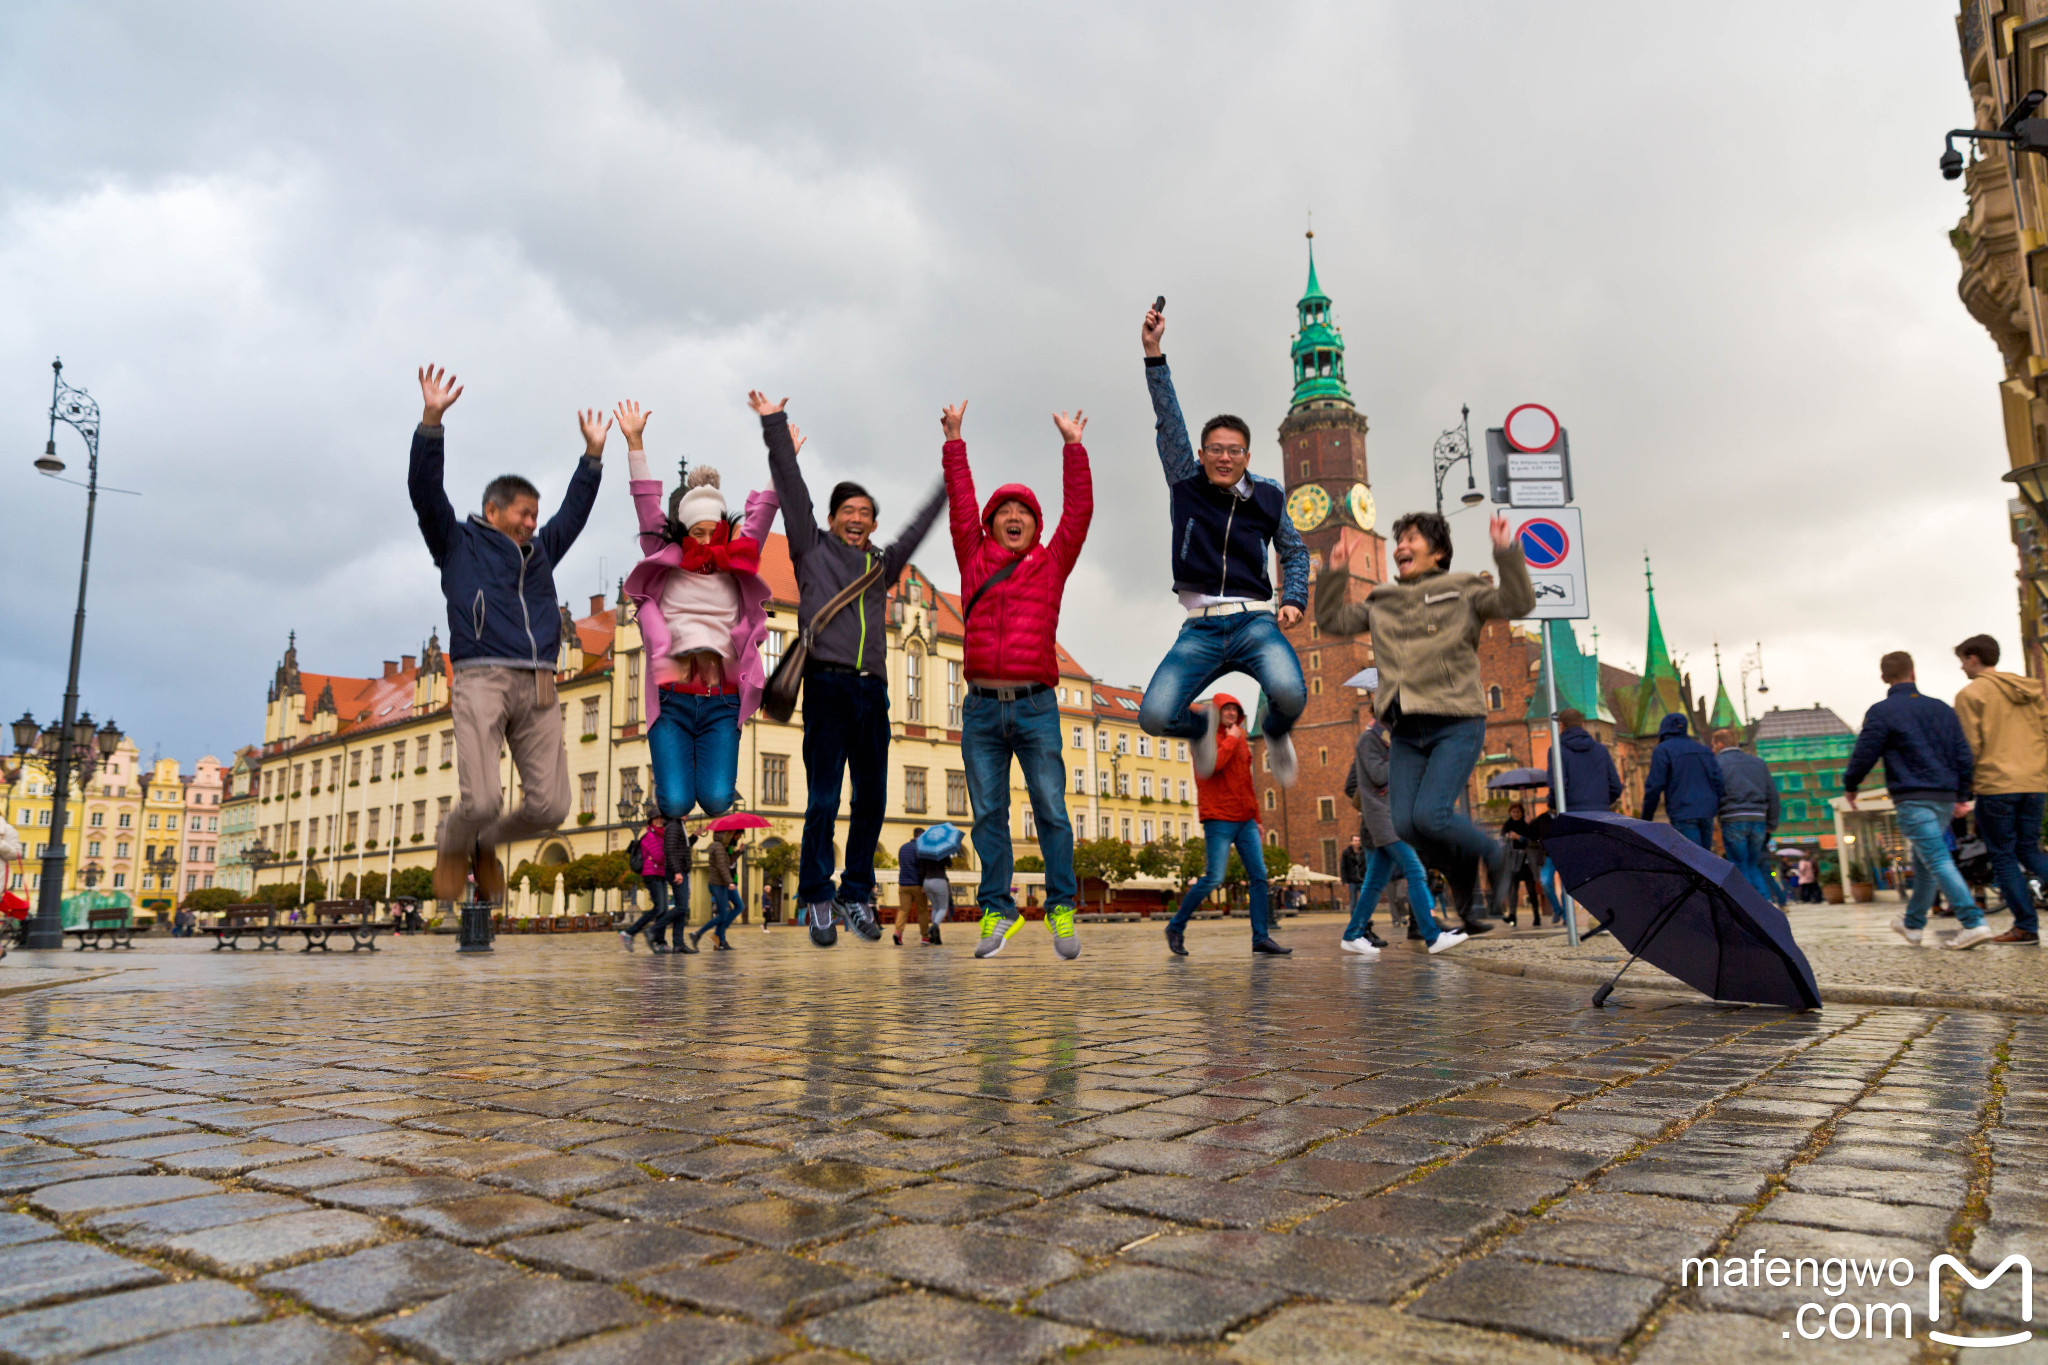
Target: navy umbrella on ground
{"points": [[1516, 779], [1680, 908]]}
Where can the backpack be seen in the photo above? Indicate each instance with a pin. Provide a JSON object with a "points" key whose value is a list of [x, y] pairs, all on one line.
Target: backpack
{"points": [[636, 857]]}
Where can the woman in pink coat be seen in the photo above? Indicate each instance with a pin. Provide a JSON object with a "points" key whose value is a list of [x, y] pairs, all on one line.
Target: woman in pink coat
{"points": [[702, 606]]}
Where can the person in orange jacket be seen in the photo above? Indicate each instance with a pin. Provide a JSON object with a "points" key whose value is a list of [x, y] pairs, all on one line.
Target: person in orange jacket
{"points": [[1229, 808]]}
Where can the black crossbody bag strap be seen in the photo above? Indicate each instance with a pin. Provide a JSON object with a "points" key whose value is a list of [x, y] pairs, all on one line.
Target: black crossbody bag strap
{"points": [[998, 576]]}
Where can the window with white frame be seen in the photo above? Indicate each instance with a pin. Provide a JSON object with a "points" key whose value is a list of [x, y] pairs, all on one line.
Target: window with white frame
{"points": [[913, 682], [1145, 785], [588, 796], [1104, 826], [1144, 831], [1080, 781], [1125, 824], [956, 791], [1030, 823], [1123, 743], [771, 653], [1123, 784], [1183, 790], [589, 720], [913, 790], [1080, 740], [1144, 746], [1102, 741], [955, 693], [1102, 780]]}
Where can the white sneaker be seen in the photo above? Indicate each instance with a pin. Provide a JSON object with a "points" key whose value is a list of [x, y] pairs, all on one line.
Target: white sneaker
{"points": [[1280, 753], [1448, 939], [626, 937], [1970, 938], [1202, 749], [1912, 936], [1360, 946]]}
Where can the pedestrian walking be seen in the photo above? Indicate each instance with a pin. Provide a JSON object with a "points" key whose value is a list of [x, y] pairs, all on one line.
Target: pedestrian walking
{"points": [[1351, 864], [846, 681], [1685, 777], [725, 900], [702, 608], [1749, 811], [2005, 721], [1809, 881], [1366, 785], [1229, 810], [924, 895], [1226, 524], [1524, 855], [1591, 781], [1425, 638], [663, 864], [1012, 580], [504, 634], [1928, 769]]}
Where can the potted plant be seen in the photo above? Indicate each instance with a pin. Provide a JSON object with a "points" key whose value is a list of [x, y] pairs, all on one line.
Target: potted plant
{"points": [[1830, 874], [1862, 882]]}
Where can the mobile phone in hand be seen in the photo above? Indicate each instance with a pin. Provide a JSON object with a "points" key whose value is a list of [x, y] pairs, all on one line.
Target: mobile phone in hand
{"points": [[1159, 304]]}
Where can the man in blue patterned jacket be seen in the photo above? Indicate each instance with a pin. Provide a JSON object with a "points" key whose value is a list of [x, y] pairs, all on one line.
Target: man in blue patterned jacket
{"points": [[1226, 524]]}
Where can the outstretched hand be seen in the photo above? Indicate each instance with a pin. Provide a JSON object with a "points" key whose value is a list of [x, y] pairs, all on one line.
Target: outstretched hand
{"points": [[596, 426], [1340, 554], [1498, 529], [1071, 427], [632, 423], [440, 390], [796, 438], [1153, 331], [951, 418], [758, 401]]}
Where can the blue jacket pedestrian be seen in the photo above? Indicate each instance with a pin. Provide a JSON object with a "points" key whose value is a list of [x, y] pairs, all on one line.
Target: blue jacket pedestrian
{"points": [[1921, 743], [1683, 774], [1590, 779]]}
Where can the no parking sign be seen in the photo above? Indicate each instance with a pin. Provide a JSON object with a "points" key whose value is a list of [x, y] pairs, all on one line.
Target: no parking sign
{"points": [[1551, 542]]}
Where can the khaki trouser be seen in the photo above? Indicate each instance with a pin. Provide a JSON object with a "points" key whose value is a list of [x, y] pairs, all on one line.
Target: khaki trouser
{"points": [[494, 707]]}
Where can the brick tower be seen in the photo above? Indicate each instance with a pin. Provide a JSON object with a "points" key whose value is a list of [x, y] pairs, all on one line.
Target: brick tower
{"points": [[1322, 455]]}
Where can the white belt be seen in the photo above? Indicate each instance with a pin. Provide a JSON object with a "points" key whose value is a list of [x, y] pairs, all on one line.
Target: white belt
{"points": [[1229, 608]]}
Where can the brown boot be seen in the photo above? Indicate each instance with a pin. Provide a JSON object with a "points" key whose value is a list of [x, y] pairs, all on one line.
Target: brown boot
{"points": [[490, 877], [451, 875]]}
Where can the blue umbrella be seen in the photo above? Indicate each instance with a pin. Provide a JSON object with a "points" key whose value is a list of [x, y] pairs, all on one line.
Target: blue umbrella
{"points": [[1676, 905], [942, 840], [1515, 779]]}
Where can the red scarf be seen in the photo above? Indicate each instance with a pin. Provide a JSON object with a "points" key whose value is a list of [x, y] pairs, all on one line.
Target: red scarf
{"points": [[726, 553]]}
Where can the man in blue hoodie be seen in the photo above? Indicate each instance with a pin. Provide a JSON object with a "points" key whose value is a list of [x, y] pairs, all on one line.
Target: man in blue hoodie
{"points": [[1590, 779], [504, 633], [1928, 773], [1683, 774]]}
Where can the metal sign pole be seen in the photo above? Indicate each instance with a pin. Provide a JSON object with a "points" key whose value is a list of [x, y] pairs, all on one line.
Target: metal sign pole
{"points": [[1557, 805]]}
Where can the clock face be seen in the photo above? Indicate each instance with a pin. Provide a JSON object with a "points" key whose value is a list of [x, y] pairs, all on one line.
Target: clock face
{"points": [[1308, 507], [1360, 504]]}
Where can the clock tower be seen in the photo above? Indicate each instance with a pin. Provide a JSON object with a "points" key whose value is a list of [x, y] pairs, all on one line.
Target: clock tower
{"points": [[1322, 455]]}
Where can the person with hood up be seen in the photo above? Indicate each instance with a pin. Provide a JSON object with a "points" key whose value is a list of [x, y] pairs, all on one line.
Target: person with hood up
{"points": [[1749, 811], [1684, 775], [504, 633], [702, 607], [2006, 723], [1366, 785], [846, 675], [1591, 781], [1012, 580], [1229, 809]]}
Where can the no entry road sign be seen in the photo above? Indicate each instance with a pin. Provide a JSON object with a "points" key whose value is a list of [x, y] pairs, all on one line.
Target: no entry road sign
{"points": [[1551, 541]]}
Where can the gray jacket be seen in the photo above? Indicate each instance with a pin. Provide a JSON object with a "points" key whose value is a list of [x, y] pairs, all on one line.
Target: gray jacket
{"points": [[858, 636], [1747, 792], [1366, 785]]}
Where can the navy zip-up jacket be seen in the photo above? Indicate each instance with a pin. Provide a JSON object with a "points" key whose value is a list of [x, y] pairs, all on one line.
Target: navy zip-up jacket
{"points": [[1747, 792], [1590, 779], [501, 595], [1921, 742], [1221, 540], [1683, 772]]}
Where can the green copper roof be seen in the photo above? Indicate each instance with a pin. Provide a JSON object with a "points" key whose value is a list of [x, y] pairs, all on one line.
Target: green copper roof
{"points": [[1658, 694], [1578, 678], [1318, 348], [1723, 717]]}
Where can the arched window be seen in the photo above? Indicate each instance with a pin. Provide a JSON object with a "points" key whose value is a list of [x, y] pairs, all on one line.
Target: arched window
{"points": [[913, 682], [1494, 700], [1269, 798]]}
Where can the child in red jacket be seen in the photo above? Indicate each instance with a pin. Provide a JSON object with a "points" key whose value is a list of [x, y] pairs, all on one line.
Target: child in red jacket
{"points": [[1011, 582], [1229, 808]]}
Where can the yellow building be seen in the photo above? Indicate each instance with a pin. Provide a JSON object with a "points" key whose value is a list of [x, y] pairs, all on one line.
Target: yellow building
{"points": [[103, 845], [355, 774]]}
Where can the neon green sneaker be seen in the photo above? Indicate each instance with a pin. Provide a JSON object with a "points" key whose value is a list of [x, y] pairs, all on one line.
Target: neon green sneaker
{"points": [[1060, 919], [995, 932]]}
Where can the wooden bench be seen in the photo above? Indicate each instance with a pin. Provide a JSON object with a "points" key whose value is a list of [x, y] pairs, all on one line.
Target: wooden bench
{"points": [[103, 928], [259, 921], [357, 917]]}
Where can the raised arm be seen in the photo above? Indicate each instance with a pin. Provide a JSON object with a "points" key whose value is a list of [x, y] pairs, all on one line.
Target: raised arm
{"points": [[799, 523], [424, 474], [640, 481], [963, 512], [1077, 492], [1336, 614], [1514, 596], [1176, 452], [567, 523], [904, 546], [759, 517]]}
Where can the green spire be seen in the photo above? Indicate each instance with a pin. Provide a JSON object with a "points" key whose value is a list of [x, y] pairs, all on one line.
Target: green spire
{"points": [[1723, 717], [1318, 348], [1658, 663], [1658, 694]]}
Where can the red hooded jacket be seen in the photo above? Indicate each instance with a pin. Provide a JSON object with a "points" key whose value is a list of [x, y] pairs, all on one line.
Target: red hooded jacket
{"points": [[1227, 794], [1010, 633]]}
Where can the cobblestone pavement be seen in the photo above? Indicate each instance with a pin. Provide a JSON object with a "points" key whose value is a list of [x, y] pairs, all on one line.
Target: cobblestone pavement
{"points": [[562, 1153]]}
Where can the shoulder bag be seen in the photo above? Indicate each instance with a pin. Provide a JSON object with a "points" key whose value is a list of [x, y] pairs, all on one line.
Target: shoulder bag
{"points": [[786, 683]]}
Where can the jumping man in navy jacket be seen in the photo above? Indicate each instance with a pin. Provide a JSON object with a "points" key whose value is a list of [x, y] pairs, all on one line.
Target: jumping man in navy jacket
{"points": [[504, 632]]}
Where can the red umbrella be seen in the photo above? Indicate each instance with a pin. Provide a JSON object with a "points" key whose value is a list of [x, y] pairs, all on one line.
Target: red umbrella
{"points": [[740, 819]]}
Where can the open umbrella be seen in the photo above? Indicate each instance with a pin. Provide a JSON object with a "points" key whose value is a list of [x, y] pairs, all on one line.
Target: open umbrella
{"points": [[942, 840], [1679, 907], [1515, 779], [739, 819]]}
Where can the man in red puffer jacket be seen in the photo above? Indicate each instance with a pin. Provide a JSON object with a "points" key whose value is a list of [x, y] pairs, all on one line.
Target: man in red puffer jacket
{"points": [[1011, 582]]}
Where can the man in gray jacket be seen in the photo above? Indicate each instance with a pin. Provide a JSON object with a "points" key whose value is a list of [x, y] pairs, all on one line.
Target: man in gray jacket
{"points": [[1749, 810], [846, 678]]}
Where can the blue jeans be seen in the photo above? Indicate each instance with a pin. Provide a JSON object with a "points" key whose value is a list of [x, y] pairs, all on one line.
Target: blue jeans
{"points": [[1925, 825], [846, 728], [1744, 841], [693, 748], [993, 732], [1379, 870], [1207, 648], [1220, 836], [1429, 764], [1547, 879], [1700, 832], [2011, 826], [725, 908]]}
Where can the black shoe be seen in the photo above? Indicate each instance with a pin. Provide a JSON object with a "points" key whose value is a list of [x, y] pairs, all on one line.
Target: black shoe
{"points": [[1374, 939], [721, 945], [1175, 941], [1474, 927], [1267, 945], [933, 937], [686, 943], [698, 935], [1414, 933]]}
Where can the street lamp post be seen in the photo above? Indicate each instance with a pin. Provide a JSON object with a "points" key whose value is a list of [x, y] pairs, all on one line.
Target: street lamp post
{"points": [[76, 409], [1453, 448]]}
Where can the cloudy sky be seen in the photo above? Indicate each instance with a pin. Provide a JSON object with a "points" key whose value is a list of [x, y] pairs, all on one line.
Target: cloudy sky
{"points": [[1717, 250]]}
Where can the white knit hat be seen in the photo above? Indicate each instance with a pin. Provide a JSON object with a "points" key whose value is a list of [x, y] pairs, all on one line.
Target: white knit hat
{"points": [[703, 501]]}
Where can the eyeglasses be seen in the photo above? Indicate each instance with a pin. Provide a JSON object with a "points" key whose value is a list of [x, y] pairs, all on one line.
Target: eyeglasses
{"points": [[1221, 451]]}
